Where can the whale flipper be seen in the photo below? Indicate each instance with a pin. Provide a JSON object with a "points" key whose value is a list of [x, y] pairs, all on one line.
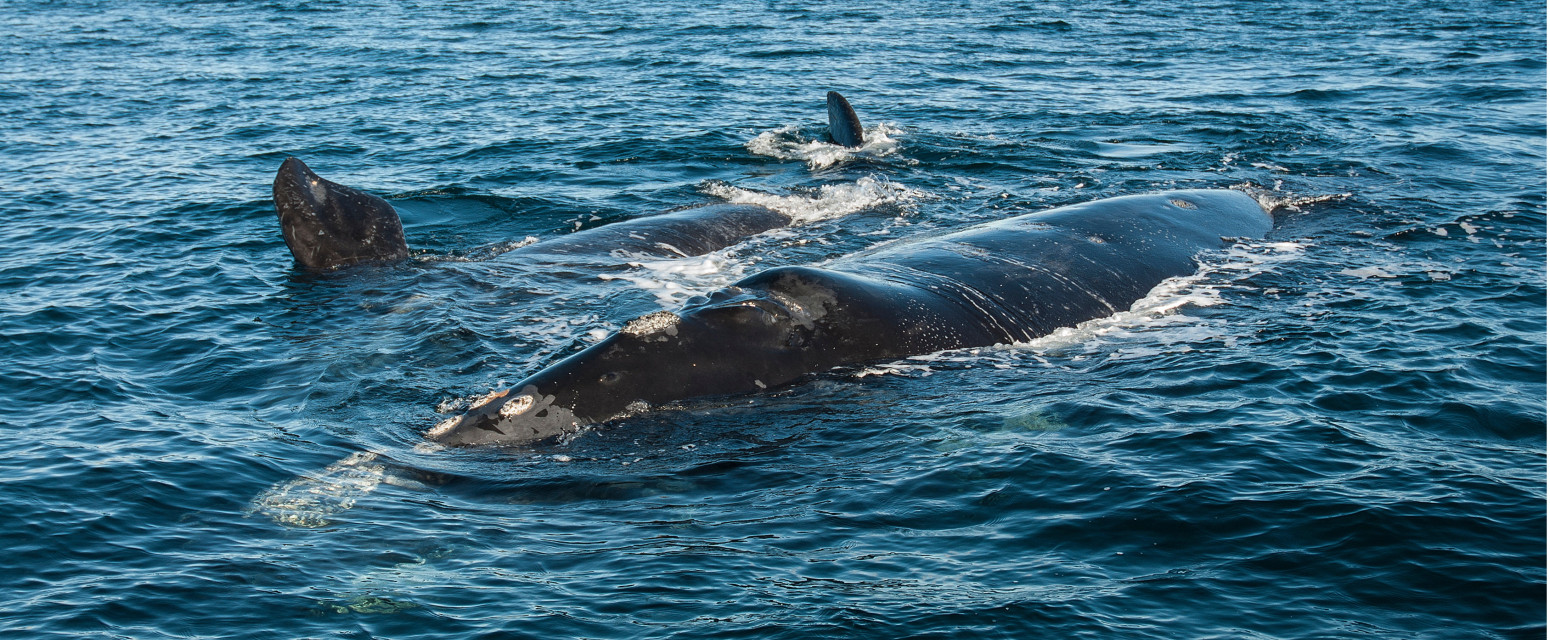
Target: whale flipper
{"points": [[844, 126], [329, 225]]}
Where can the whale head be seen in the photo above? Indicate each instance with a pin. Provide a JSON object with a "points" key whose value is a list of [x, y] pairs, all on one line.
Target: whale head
{"points": [[731, 344]]}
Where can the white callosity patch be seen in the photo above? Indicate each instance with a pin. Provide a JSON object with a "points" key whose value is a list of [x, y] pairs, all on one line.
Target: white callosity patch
{"points": [[319, 192], [787, 143], [653, 323], [490, 397], [515, 406], [442, 427]]}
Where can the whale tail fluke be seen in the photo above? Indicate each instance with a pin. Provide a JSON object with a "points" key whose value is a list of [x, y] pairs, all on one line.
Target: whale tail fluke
{"points": [[844, 126], [328, 225]]}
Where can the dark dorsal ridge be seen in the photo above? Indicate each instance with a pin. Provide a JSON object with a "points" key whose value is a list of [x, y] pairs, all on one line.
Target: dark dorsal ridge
{"points": [[844, 126]]}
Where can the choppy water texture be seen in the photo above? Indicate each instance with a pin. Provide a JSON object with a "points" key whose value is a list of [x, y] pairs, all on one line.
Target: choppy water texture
{"points": [[1336, 432]]}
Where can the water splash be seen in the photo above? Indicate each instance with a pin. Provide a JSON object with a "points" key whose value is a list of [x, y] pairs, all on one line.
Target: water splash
{"points": [[827, 202], [789, 143]]}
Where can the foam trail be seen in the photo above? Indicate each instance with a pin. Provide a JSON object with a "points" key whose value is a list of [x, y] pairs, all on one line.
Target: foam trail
{"points": [[674, 280]]}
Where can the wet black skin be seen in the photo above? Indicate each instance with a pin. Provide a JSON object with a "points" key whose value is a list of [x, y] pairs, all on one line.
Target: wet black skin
{"points": [[328, 226], [844, 125], [1004, 282]]}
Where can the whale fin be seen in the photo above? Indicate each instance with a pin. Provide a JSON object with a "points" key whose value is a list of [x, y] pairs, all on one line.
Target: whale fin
{"points": [[329, 225], [844, 126]]}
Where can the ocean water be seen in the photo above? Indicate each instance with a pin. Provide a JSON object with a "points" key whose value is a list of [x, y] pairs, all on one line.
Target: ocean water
{"points": [[1338, 431]]}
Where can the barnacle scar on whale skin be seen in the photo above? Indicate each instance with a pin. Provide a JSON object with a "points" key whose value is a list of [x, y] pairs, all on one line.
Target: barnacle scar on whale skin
{"points": [[1007, 281]]}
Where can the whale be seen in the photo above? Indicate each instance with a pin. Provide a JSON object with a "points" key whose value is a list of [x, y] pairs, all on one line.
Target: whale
{"points": [[1003, 282], [844, 125], [328, 225]]}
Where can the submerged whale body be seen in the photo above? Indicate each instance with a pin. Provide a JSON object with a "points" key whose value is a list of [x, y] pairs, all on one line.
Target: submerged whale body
{"points": [[1004, 282], [329, 225]]}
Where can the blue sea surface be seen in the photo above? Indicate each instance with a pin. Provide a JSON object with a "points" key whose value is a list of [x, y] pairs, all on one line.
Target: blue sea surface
{"points": [[1338, 431]]}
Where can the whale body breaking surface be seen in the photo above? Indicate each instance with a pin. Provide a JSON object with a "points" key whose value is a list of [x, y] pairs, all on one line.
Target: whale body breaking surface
{"points": [[1003, 282]]}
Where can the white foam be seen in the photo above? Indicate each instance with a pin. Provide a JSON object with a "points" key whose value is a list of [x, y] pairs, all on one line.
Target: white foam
{"points": [[828, 202], [787, 143], [674, 280], [895, 369], [1159, 309]]}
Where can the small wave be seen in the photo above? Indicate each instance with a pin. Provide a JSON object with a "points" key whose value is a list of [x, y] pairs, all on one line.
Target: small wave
{"points": [[789, 143], [828, 202], [901, 368], [481, 254]]}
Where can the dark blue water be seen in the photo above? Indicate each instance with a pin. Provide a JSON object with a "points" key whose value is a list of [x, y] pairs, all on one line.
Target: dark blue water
{"points": [[1336, 432]]}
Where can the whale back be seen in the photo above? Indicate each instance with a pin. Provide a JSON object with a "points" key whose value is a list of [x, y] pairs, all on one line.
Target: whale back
{"points": [[1024, 277], [1008, 281], [687, 232]]}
